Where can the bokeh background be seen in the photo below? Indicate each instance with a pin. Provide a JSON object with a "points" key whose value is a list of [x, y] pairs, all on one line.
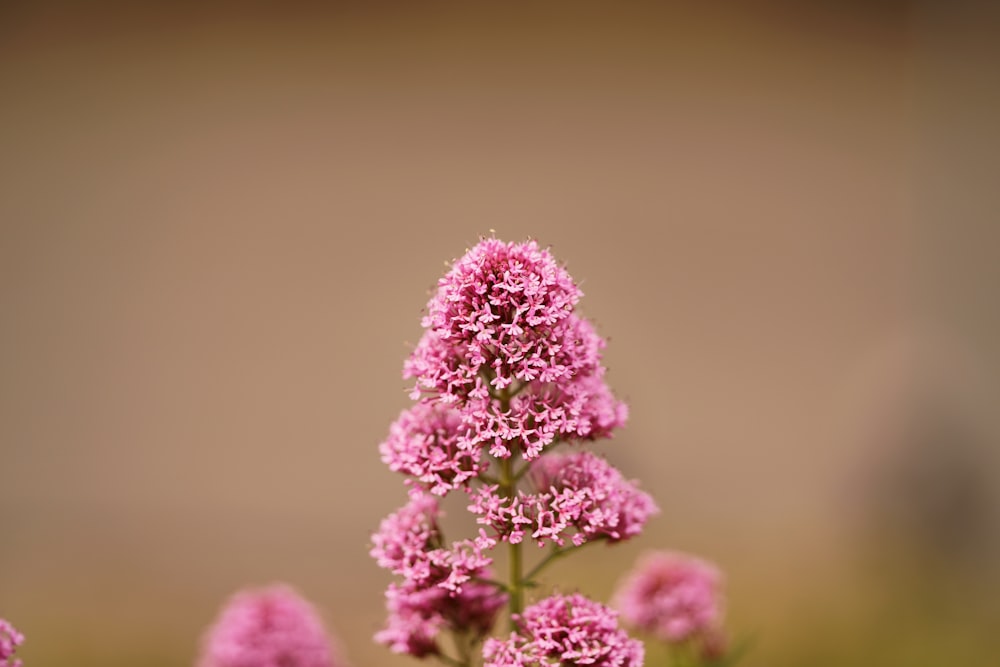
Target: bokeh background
{"points": [[218, 229]]}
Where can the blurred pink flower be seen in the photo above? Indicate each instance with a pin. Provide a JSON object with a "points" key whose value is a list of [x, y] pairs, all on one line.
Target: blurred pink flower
{"points": [[442, 584], [403, 538], [10, 639], [674, 597], [414, 620], [565, 630], [271, 627], [417, 615]]}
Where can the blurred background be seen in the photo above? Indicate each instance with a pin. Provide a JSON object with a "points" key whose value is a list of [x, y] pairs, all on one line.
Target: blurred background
{"points": [[218, 229]]}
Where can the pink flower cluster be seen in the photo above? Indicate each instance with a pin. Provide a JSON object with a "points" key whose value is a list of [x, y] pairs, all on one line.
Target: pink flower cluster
{"points": [[502, 308], [408, 543], [272, 627], [424, 443], [565, 630], [441, 587], [418, 615], [10, 639], [504, 348], [506, 367], [675, 598], [578, 496]]}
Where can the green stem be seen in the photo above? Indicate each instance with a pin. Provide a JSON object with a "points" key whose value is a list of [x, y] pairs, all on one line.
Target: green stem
{"points": [[492, 582], [553, 556], [508, 487], [517, 590], [516, 586], [462, 646], [527, 466], [487, 478], [520, 473], [448, 660], [683, 655]]}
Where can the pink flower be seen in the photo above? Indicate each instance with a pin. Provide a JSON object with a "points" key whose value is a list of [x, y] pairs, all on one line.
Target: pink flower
{"points": [[272, 627], [10, 639], [565, 630], [674, 597], [414, 620], [404, 537], [443, 585], [504, 348], [579, 496], [501, 308], [505, 368], [599, 412], [417, 616], [577, 407], [593, 496], [409, 543], [425, 443]]}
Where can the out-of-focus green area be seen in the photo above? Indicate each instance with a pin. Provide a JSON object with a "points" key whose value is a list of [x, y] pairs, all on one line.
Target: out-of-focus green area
{"points": [[218, 228]]}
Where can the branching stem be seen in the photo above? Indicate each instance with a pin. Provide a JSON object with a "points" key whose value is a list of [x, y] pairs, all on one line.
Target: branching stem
{"points": [[448, 660], [553, 556]]}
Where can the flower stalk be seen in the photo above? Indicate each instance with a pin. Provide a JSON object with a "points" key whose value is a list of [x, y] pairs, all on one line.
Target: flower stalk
{"points": [[508, 488], [505, 372]]}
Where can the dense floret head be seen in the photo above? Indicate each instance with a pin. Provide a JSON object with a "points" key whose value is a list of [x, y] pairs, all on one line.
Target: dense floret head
{"points": [[426, 442], [564, 630], [578, 497]]}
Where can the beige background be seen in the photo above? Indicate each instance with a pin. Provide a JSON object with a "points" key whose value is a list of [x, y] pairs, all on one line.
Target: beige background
{"points": [[218, 230]]}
